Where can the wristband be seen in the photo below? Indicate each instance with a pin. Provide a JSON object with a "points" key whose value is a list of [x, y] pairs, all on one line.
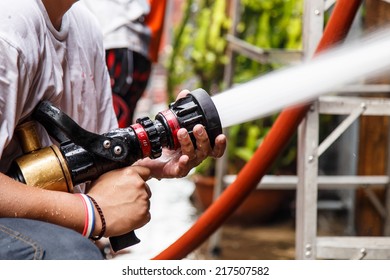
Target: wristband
{"points": [[89, 224], [103, 220]]}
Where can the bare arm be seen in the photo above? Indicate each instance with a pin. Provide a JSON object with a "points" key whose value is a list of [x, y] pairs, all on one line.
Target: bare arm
{"points": [[21, 201], [122, 194]]}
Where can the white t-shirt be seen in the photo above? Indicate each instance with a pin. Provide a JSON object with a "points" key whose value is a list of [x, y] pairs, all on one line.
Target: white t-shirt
{"points": [[122, 24], [37, 62]]}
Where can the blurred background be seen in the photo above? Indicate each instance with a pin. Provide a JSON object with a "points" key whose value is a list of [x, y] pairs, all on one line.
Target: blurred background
{"points": [[216, 44]]}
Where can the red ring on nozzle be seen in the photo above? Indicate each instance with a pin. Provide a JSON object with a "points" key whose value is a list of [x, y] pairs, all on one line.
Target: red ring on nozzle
{"points": [[143, 139], [174, 126]]}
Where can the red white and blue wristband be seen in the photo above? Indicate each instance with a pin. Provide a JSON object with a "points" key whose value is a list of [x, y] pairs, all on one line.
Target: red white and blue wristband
{"points": [[89, 224]]}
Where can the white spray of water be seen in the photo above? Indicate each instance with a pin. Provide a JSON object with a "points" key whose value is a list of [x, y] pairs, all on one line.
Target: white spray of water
{"points": [[323, 74]]}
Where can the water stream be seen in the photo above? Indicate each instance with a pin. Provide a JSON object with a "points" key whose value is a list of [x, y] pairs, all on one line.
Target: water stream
{"points": [[290, 86]]}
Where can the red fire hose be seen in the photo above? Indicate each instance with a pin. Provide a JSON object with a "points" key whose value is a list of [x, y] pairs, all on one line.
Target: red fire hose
{"points": [[251, 174]]}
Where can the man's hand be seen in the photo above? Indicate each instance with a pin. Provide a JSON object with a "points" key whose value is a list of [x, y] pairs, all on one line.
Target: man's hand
{"points": [[124, 197], [176, 164]]}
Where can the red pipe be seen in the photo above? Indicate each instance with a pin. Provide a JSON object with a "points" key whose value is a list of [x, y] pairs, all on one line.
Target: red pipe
{"points": [[281, 132]]}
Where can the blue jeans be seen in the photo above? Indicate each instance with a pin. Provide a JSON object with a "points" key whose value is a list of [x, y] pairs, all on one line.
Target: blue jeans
{"points": [[23, 239]]}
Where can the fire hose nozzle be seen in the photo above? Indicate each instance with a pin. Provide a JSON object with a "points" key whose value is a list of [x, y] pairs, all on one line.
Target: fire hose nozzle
{"points": [[84, 156]]}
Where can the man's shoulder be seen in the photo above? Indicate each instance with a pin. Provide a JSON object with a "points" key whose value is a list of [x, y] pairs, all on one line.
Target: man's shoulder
{"points": [[21, 23], [12, 11]]}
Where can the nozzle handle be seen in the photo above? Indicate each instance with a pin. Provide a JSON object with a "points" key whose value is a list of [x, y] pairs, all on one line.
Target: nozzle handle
{"points": [[123, 241]]}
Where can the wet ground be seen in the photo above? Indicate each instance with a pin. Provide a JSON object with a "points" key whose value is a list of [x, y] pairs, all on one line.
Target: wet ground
{"points": [[265, 242]]}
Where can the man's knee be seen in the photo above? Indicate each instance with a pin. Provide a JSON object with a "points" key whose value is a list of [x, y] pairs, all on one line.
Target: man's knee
{"points": [[45, 241], [74, 248], [70, 245]]}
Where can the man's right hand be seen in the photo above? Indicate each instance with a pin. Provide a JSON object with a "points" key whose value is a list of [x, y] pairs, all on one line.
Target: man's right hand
{"points": [[124, 197]]}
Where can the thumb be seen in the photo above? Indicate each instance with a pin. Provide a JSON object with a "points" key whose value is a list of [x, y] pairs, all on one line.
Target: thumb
{"points": [[142, 171]]}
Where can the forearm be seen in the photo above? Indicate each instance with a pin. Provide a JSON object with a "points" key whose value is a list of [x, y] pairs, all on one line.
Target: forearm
{"points": [[21, 201], [121, 194]]}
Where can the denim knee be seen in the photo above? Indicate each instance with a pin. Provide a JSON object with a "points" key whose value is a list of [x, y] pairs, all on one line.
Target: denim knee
{"points": [[31, 239]]}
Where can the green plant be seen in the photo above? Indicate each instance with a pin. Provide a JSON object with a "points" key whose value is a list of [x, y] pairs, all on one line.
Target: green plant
{"points": [[198, 53]]}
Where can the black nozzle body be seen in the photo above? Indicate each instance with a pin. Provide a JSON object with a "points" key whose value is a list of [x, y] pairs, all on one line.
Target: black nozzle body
{"points": [[195, 108], [89, 155]]}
